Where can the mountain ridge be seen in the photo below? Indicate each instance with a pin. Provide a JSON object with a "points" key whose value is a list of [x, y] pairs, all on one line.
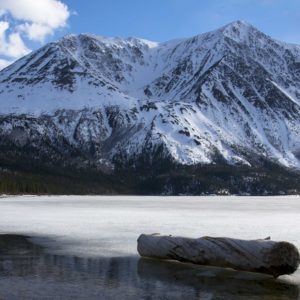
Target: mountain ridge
{"points": [[229, 96]]}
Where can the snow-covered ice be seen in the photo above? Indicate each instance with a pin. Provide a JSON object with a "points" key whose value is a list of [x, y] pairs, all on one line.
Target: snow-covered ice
{"points": [[110, 225]]}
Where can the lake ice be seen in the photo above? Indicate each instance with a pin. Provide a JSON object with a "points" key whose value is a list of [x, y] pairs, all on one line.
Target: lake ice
{"points": [[105, 228]]}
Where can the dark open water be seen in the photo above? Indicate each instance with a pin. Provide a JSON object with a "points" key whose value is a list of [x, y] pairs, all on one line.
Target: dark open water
{"points": [[27, 271]]}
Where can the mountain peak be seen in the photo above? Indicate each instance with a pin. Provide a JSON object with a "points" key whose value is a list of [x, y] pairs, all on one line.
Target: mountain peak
{"points": [[239, 24], [239, 31]]}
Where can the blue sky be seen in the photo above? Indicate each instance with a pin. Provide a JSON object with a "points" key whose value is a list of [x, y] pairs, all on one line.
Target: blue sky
{"points": [[162, 20], [28, 24]]}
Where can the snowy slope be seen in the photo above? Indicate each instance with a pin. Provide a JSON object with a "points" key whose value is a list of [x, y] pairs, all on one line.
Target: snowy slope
{"points": [[232, 93]]}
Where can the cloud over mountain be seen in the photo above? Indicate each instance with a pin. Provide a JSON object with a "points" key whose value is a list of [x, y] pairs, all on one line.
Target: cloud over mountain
{"points": [[23, 21]]}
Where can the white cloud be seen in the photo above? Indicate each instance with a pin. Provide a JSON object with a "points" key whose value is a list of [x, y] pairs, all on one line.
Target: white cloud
{"points": [[16, 46], [35, 31], [4, 63], [40, 17], [49, 12], [3, 27], [11, 45], [30, 19]]}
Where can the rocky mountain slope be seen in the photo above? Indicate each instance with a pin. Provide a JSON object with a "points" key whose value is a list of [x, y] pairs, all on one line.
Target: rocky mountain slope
{"points": [[229, 97]]}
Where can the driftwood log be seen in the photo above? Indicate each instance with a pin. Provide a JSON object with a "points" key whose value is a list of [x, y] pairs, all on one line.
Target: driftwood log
{"points": [[262, 256]]}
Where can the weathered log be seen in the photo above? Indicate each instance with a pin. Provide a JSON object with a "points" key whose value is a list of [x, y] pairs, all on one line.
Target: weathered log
{"points": [[262, 256]]}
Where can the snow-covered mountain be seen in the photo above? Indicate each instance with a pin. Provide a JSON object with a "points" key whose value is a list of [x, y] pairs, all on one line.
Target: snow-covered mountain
{"points": [[231, 94]]}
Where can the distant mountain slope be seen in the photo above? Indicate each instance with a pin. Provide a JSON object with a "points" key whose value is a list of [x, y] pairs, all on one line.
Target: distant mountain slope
{"points": [[227, 97]]}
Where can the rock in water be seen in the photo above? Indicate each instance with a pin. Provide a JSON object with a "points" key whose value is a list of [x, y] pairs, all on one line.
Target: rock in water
{"points": [[262, 256]]}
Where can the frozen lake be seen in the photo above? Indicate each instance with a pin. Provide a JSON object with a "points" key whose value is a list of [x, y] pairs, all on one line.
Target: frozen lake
{"points": [[91, 246]]}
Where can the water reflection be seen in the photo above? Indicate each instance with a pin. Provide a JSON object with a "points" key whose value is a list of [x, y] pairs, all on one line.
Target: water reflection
{"points": [[27, 272]]}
